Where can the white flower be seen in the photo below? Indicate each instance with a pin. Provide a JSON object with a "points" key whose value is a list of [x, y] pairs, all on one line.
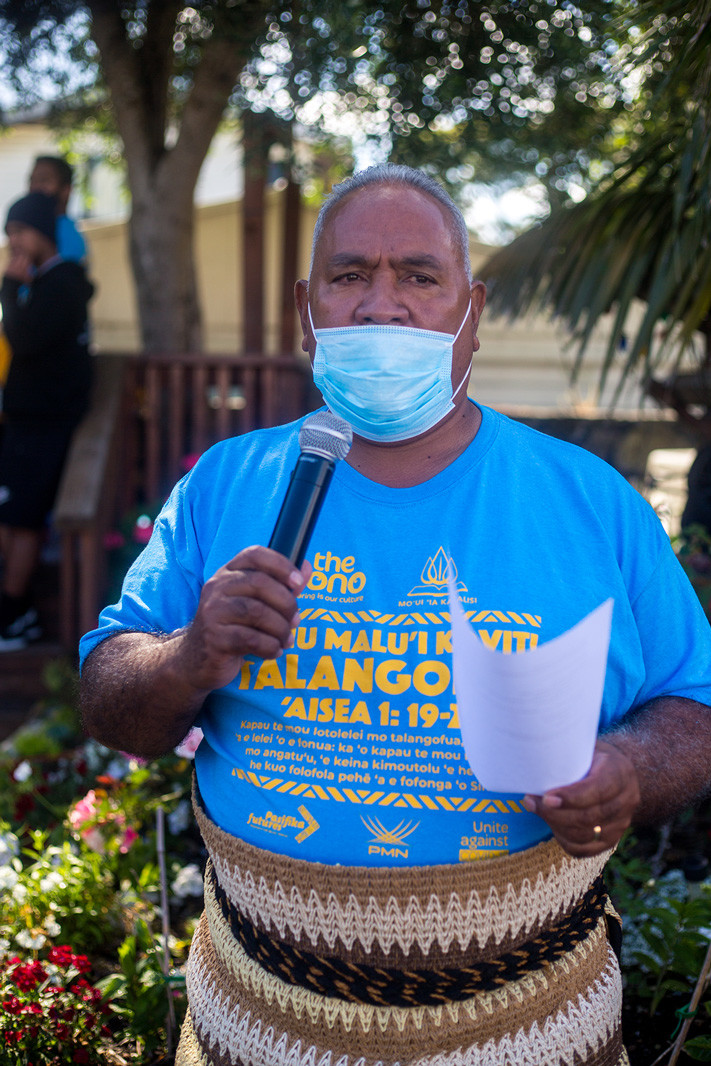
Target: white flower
{"points": [[9, 848], [51, 881], [19, 894], [179, 819], [8, 879], [33, 943], [22, 771], [52, 928], [5, 946], [188, 882]]}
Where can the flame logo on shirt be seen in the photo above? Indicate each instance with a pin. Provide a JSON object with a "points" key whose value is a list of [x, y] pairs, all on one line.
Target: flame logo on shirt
{"points": [[381, 835], [434, 576]]}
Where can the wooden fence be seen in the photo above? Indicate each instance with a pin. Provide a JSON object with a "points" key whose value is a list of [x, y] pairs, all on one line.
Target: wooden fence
{"points": [[150, 417]]}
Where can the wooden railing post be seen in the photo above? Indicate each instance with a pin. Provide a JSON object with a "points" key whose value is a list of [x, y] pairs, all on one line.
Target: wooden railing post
{"points": [[177, 403], [84, 495]]}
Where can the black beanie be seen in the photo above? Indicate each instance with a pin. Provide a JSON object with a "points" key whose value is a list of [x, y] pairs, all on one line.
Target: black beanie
{"points": [[38, 211]]}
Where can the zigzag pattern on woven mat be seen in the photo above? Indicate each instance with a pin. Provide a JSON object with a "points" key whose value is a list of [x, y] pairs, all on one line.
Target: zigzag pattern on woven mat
{"points": [[585, 1033], [408, 920]]}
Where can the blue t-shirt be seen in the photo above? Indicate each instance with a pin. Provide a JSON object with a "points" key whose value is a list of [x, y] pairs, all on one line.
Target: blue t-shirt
{"points": [[346, 749], [70, 243]]}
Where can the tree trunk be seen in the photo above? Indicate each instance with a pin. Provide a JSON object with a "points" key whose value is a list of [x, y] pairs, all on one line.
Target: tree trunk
{"points": [[162, 179], [161, 246]]}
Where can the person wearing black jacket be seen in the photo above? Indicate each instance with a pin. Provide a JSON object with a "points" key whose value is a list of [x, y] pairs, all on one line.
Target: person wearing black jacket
{"points": [[44, 305]]}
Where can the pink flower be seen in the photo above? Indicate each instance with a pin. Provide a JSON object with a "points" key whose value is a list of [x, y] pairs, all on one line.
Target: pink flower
{"points": [[187, 748], [130, 835], [84, 810]]}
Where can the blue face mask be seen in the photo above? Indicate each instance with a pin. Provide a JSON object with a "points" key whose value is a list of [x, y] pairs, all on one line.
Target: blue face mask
{"points": [[389, 382]]}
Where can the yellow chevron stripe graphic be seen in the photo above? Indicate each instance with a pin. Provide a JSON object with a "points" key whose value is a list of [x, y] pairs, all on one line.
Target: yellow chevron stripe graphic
{"points": [[311, 825], [380, 798], [417, 618]]}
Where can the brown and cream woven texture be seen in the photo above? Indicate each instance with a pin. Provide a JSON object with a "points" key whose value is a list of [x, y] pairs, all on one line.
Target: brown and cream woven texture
{"points": [[501, 962]]}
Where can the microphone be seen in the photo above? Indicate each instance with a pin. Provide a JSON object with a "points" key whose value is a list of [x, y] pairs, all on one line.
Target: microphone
{"points": [[323, 439]]}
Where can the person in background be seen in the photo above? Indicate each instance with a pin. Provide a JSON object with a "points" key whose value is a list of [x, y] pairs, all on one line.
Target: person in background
{"points": [[44, 306], [53, 176]]}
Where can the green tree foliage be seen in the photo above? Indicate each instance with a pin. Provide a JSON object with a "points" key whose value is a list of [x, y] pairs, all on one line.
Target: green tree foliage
{"points": [[501, 91], [643, 233]]}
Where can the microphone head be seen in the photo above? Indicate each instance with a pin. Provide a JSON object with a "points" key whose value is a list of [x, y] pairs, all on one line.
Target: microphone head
{"points": [[327, 435]]}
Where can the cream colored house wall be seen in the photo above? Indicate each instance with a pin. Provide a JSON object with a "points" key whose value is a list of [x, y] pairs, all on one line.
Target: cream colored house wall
{"points": [[219, 259]]}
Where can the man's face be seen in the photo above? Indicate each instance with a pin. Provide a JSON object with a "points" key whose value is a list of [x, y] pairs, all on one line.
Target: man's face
{"points": [[388, 255], [44, 178]]}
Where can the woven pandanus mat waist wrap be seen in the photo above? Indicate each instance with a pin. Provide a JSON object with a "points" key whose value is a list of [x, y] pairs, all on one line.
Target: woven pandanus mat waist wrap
{"points": [[503, 961]]}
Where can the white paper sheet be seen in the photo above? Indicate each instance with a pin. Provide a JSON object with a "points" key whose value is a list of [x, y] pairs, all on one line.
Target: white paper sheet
{"points": [[529, 720]]}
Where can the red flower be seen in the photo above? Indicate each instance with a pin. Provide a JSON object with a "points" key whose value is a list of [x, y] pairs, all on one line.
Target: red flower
{"points": [[12, 1005], [61, 955], [24, 978]]}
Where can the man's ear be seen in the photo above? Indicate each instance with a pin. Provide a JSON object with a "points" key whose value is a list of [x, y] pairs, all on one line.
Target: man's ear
{"points": [[301, 296], [478, 293]]}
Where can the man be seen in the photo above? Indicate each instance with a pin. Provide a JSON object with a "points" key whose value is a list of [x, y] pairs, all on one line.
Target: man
{"points": [[53, 176], [44, 308], [366, 900]]}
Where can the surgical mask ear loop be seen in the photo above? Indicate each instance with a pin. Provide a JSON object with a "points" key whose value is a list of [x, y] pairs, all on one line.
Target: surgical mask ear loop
{"points": [[464, 378]]}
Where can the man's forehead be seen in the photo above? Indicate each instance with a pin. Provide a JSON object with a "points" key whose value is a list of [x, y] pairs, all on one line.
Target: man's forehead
{"points": [[374, 218]]}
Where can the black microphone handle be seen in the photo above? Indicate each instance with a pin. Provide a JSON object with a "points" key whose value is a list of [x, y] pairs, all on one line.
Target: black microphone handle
{"points": [[307, 489]]}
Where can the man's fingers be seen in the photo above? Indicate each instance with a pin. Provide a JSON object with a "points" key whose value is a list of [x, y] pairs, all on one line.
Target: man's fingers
{"points": [[591, 815], [259, 559], [248, 607]]}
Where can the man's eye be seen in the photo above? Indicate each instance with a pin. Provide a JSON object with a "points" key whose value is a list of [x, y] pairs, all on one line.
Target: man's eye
{"points": [[350, 276]]}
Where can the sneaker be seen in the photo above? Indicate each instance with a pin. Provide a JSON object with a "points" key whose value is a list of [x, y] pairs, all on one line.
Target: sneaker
{"points": [[21, 632]]}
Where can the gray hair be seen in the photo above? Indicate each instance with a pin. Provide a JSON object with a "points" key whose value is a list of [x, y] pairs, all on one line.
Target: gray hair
{"points": [[396, 174]]}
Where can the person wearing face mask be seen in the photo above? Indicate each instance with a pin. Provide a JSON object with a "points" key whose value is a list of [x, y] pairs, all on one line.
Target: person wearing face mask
{"points": [[367, 901]]}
